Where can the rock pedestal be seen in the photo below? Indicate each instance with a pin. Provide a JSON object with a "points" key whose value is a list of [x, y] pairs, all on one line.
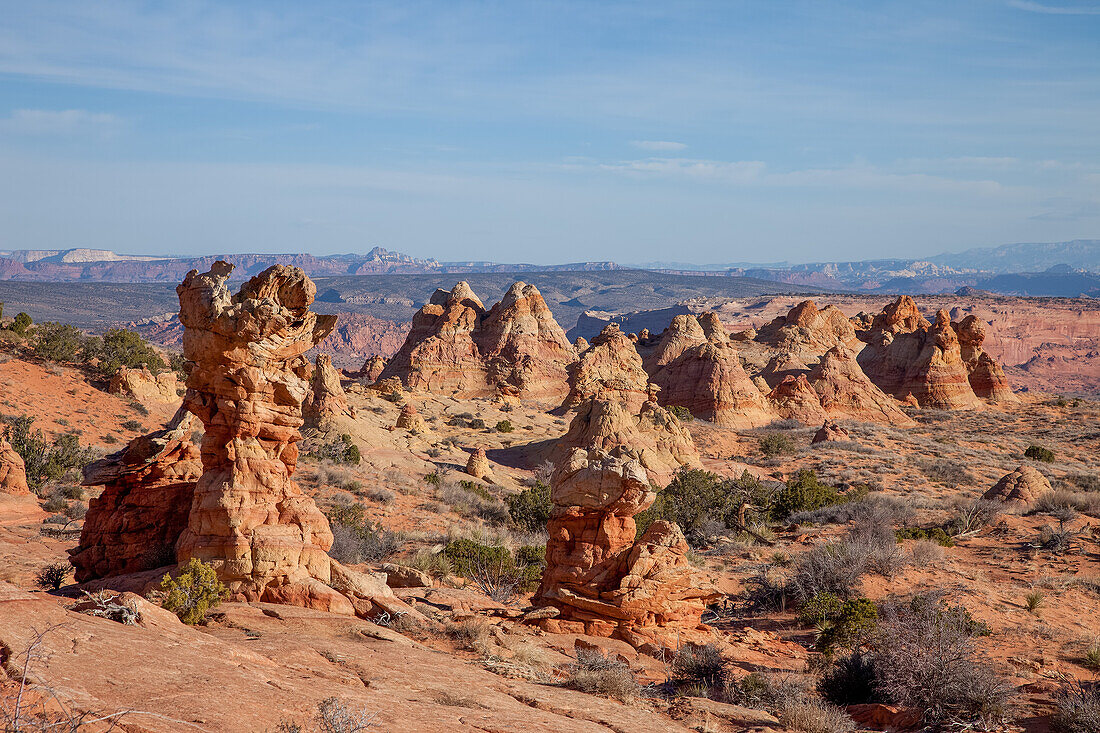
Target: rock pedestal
{"points": [[13, 473]]}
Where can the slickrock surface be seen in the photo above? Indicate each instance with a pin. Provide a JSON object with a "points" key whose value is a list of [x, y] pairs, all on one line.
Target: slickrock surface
{"points": [[327, 404], [13, 474], [247, 386], [134, 524], [601, 580], [144, 386], [457, 348], [611, 364], [1020, 489]]}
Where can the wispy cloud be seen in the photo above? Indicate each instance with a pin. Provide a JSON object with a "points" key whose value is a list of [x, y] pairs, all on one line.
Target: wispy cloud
{"points": [[58, 122], [658, 145], [740, 171], [1033, 7]]}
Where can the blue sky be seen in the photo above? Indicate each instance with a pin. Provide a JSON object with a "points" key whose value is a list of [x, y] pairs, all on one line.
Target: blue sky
{"points": [[550, 131]]}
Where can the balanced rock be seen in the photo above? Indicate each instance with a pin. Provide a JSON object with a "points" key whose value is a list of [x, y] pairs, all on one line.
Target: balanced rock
{"points": [[148, 488], [409, 419], [987, 377], [327, 404], [1019, 489], [13, 473], [267, 540], [830, 432], [144, 386], [478, 465], [458, 348], [610, 367], [602, 581]]}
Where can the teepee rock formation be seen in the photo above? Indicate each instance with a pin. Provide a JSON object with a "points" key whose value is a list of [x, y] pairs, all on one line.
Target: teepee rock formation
{"points": [[710, 382], [610, 366], [478, 464], [807, 331], [795, 399], [457, 348], [148, 487], [846, 391], [987, 378], [327, 404], [602, 581], [1020, 489]]}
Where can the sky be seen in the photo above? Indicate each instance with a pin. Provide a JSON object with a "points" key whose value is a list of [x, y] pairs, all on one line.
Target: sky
{"points": [[550, 132]]}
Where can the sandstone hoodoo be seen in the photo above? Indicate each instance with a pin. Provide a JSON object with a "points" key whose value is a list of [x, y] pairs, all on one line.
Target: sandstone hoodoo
{"points": [[409, 419], [478, 465], [13, 473], [795, 399], [602, 581], [805, 330], [610, 366], [372, 369], [710, 382], [456, 347], [683, 333], [830, 432], [845, 390], [148, 487], [1019, 489], [987, 378], [327, 404]]}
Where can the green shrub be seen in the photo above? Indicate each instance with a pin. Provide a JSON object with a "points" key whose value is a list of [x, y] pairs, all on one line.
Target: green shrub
{"points": [[530, 508], [1039, 453], [45, 462], [934, 534], [682, 413], [805, 492], [776, 444], [119, 347], [435, 478], [193, 592], [473, 560], [822, 607], [57, 341], [352, 514], [505, 426], [697, 499], [339, 450], [21, 323], [851, 680], [855, 621], [477, 490]]}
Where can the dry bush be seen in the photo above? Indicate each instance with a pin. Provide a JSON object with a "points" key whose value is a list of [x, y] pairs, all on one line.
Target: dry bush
{"points": [[877, 541], [502, 581], [832, 567], [926, 552], [334, 716], [792, 702], [470, 634], [1078, 709], [972, 515], [599, 675], [702, 664], [1058, 501], [816, 716], [874, 508]]}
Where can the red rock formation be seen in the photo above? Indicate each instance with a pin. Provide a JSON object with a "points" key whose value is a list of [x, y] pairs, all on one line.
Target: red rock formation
{"points": [[846, 391], [478, 465], [249, 518], [683, 333], [144, 386], [148, 487], [1020, 489], [712, 327], [986, 376], [327, 404], [371, 370], [710, 382], [455, 347], [830, 432], [653, 436], [807, 331], [925, 362], [795, 399], [602, 581], [610, 366], [13, 473], [409, 419]]}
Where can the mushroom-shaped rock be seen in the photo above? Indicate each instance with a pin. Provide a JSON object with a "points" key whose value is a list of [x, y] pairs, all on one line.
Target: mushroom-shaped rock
{"points": [[1019, 489], [13, 474], [830, 432], [478, 464]]}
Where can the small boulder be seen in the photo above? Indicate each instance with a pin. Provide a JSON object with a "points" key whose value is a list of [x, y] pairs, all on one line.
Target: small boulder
{"points": [[830, 432], [1019, 489], [410, 419], [478, 465], [401, 576]]}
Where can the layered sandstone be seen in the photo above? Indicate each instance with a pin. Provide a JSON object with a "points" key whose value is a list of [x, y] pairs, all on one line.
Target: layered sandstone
{"points": [[249, 518], [683, 333], [409, 419], [372, 369], [148, 487], [478, 464], [806, 330], [602, 581], [609, 366], [146, 387], [458, 348], [327, 404], [986, 376], [846, 391], [710, 382], [13, 473], [830, 432], [795, 399], [1019, 489]]}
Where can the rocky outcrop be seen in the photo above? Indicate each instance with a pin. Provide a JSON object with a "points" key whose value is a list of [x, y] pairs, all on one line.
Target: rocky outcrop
{"points": [[372, 369], [986, 376], [1019, 489], [846, 391], [144, 386], [682, 334], [805, 330], [830, 432], [610, 367], [795, 399], [710, 382], [249, 518], [906, 356], [458, 348], [602, 581], [327, 404], [409, 419], [13, 473], [478, 464], [653, 436], [148, 487], [712, 327]]}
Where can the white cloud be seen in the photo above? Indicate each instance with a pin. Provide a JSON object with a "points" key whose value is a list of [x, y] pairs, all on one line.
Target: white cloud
{"points": [[657, 145], [58, 122], [1033, 7], [741, 171]]}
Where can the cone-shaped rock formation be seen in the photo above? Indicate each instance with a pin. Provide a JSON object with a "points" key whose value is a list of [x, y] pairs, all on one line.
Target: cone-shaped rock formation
{"points": [[609, 366]]}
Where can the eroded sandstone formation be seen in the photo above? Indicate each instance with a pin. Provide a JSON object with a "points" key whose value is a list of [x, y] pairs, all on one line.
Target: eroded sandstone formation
{"points": [[478, 464], [247, 384], [710, 382], [13, 473], [795, 399], [805, 330], [830, 432], [456, 347], [148, 487], [372, 369], [986, 376], [602, 581], [409, 419], [610, 366], [144, 386], [1019, 489], [326, 404], [846, 391]]}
